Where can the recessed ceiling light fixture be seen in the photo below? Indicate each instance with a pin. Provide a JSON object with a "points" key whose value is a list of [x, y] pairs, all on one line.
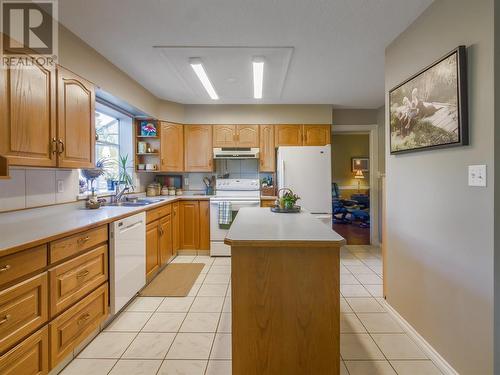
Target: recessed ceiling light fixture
{"points": [[198, 68], [258, 77]]}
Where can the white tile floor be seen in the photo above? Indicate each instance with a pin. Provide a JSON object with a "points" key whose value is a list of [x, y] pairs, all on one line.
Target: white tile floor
{"points": [[192, 335]]}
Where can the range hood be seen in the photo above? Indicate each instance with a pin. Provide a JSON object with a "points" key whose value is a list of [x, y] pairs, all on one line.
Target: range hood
{"points": [[236, 153]]}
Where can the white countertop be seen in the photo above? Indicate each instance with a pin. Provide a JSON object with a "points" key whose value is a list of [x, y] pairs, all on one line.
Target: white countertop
{"points": [[27, 226], [260, 224]]}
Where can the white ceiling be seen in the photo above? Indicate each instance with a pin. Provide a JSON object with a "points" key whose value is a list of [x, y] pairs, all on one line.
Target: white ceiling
{"points": [[316, 51]]}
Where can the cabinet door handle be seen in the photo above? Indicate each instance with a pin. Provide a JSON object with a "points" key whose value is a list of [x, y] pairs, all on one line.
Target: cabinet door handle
{"points": [[5, 268], [54, 145], [5, 319], [82, 240], [161, 231], [83, 318], [61, 148], [81, 274]]}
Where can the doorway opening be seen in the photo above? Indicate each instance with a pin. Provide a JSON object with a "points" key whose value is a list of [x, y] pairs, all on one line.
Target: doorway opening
{"points": [[355, 183]]}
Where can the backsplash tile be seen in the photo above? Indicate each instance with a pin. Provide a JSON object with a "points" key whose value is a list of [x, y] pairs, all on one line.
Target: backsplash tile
{"points": [[69, 178], [40, 187], [13, 190]]}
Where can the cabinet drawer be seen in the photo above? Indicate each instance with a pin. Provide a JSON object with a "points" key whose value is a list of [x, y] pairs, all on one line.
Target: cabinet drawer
{"points": [[20, 264], [158, 213], [30, 357], [69, 246], [267, 203], [77, 323], [75, 278], [23, 309]]}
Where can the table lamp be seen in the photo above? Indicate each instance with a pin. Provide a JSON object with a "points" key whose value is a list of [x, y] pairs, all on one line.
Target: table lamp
{"points": [[359, 176]]}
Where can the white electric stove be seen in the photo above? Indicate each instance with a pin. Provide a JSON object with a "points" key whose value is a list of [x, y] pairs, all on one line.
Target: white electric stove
{"points": [[241, 193]]}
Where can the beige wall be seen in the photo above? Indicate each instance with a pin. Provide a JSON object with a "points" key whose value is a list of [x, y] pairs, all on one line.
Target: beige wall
{"points": [[345, 147], [79, 57], [257, 114], [440, 231], [354, 116], [381, 138]]}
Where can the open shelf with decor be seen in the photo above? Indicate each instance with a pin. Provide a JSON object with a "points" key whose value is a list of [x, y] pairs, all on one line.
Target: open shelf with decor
{"points": [[147, 145]]}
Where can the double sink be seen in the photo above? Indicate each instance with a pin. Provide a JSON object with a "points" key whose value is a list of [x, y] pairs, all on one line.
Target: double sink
{"points": [[135, 202]]}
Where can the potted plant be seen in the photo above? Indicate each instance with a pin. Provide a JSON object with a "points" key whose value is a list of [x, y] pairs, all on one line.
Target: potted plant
{"points": [[288, 199], [123, 176]]}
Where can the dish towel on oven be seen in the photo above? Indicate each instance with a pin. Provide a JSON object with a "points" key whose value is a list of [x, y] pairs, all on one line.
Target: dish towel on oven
{"points": [[225, 213]]}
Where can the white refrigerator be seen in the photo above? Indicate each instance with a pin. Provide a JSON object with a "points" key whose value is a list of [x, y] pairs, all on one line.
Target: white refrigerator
{"points": [[307, 171]]}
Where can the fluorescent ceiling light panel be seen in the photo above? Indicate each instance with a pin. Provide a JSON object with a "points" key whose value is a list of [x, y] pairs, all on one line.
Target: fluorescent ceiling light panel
{"points": [[258, 77], [203, 77]]}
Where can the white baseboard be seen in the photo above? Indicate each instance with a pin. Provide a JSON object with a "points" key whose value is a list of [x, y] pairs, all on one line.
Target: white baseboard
{"points": [[427, 348]]}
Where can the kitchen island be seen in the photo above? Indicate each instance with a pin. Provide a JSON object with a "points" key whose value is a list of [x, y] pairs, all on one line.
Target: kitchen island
{"points": [[285, 294]]}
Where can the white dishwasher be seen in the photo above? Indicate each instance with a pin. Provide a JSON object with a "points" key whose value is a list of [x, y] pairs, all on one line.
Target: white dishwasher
{"points": [[127, 263]]}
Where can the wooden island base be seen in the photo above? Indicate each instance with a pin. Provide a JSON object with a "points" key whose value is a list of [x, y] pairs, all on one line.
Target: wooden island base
{"points": [[285, 311]]}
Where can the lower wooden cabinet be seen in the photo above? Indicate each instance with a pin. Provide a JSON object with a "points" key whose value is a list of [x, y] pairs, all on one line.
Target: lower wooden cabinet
{"points": [[194, 225], [189, 225], [73, 279], [22, 264], [152, 253], [77, 323], [204, 225], [267, 203], [23, 309], [165, 245], [175, 228], [30, 357]]}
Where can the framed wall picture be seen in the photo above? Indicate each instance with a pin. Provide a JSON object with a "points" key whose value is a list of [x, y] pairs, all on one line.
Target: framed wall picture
{"points": [[360, 164], [429, 110]]}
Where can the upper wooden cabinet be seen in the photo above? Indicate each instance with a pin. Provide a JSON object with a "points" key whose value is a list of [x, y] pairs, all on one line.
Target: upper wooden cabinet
{"points": [[288, 135], [247, 135], [75, 120], [267, 159], [198, 155], [172, 147], [302, 135], [236, 136], [224, 136], [28, 116], [317, 135]]}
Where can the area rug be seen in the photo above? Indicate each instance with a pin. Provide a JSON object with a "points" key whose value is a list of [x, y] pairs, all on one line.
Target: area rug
{"points": [[175, 280]]}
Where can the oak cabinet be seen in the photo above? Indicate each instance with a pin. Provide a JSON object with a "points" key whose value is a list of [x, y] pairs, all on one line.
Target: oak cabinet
{"points": [[31, 356], [288, 135], [267, 158], [152, 253], [198, 153], [236, 136], [317, 135], [204, 207], [175, 228], [171, 147], [75, 120], [302, 135], [224, 135], [28, 116], [189, 225], [165, 244]]}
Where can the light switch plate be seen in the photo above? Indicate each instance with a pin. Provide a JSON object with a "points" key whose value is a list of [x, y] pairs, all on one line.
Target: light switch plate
{"points": [[477, 175]]}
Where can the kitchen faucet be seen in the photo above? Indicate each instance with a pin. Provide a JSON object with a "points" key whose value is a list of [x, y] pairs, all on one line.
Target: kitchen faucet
{"points": [[119, 194]]}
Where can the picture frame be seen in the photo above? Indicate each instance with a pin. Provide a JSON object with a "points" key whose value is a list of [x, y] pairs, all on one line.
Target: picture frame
{"points": [[149, 129], [429, 110], [360, 164]]}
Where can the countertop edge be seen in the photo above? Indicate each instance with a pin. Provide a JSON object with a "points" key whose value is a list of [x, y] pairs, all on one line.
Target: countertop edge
{"points": [[41, 241], [284, 243]]}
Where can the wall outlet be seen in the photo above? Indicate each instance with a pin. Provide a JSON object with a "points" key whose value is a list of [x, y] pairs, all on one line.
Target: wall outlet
{"points": [[477, 175], [60, 186], [186, 181]]}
